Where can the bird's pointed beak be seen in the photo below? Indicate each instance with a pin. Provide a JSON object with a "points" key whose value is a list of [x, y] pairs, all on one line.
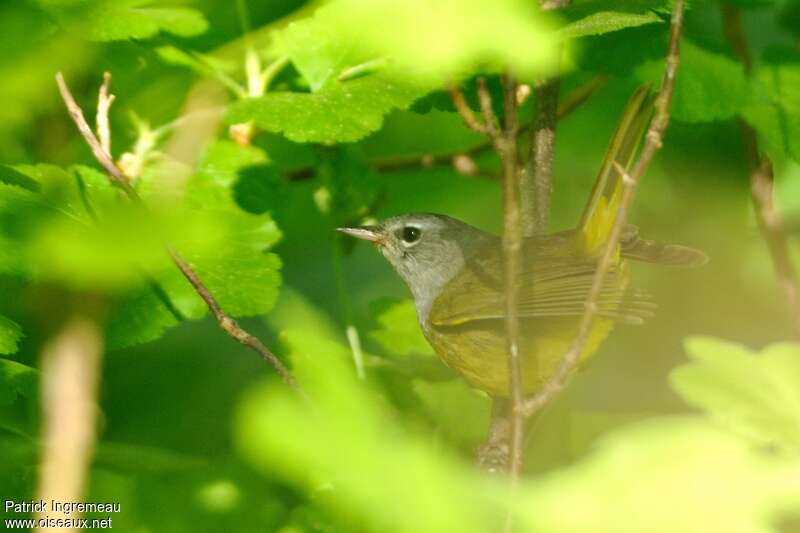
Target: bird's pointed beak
{"points": [[365, 233]]}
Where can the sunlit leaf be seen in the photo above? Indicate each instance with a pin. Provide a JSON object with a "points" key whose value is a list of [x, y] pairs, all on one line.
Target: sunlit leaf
{"points": [[607, 21], [666, 475], [757, 395], [114, 20], [237, 268], [338, 112], [282, 436]]}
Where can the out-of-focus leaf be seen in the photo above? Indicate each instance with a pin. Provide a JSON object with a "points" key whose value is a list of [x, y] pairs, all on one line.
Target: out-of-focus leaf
{"points": [[361, 451], [709, 85], [665, 475], [775, 109], [137, 459], [10, 335], [16, 379], [32, 52], [338, 112], [11, 176], [607, 21], [460, 414], [53, 235], [115, 20], [412, 35], [757, 395], [398, 329], [200, 63], [318, 50]]}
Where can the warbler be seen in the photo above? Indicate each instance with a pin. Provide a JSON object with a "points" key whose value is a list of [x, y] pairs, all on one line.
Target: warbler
{"points": [[455, 274]]}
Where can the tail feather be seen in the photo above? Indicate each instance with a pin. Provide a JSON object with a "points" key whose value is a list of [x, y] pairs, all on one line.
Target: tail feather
{"points": [[665, 254], [601, 209]]}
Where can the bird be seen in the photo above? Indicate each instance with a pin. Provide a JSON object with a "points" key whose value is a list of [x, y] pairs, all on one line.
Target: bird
{"points": [[454, 272]]}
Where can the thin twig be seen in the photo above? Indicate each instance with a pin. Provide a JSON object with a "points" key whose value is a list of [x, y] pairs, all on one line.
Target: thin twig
{"points": [[228, 324], [489, 118], [104, 101], [70, 371], [465, 111], [629, 182], [762, 183], [512, 246], [772, 227]]}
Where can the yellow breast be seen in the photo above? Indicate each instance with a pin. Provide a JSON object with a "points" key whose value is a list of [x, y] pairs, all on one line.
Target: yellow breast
{"points": [[479, 353]]}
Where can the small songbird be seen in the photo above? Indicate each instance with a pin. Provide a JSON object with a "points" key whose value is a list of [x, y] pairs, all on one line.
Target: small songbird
{"points": [[455, 274]]}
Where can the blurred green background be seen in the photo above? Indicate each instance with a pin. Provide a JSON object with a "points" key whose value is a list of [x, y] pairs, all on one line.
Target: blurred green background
{"points": [[197, 434]]}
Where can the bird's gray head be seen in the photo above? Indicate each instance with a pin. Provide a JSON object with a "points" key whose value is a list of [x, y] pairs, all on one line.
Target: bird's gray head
{"points": [[426, 249]]}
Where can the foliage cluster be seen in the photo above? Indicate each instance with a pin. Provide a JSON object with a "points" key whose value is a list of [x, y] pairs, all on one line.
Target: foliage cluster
{"points": [[251, 131]]}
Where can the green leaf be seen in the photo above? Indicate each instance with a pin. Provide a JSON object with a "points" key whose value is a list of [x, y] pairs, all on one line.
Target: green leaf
{"points": [[317, 49], [232, 261], [447, 39], [139, 317], [622, 52], [11, 176], [10, 335], [281, 436], [16, 379], [709, 86], [351, 188], [775, 110], [338, 112], [662, 476], [757, 395], [398, 329], [201, 63], [115, 20], [607, 21]]}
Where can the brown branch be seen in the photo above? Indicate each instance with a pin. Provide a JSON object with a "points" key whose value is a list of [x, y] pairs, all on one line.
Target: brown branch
{"points": [[489, 118], [762, 183], [512, 259], [228, 324], [536, 182], [630, 180], [70, 372]]}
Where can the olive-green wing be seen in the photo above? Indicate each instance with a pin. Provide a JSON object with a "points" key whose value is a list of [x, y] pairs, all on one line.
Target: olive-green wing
{"points": [[554, 282]]}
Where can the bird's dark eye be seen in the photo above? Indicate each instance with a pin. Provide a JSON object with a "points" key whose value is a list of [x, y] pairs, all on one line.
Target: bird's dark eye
{"points": [[411, 234]]}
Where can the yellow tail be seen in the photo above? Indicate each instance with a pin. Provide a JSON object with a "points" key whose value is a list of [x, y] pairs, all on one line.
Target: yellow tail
{"points": [[601, 210]]}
